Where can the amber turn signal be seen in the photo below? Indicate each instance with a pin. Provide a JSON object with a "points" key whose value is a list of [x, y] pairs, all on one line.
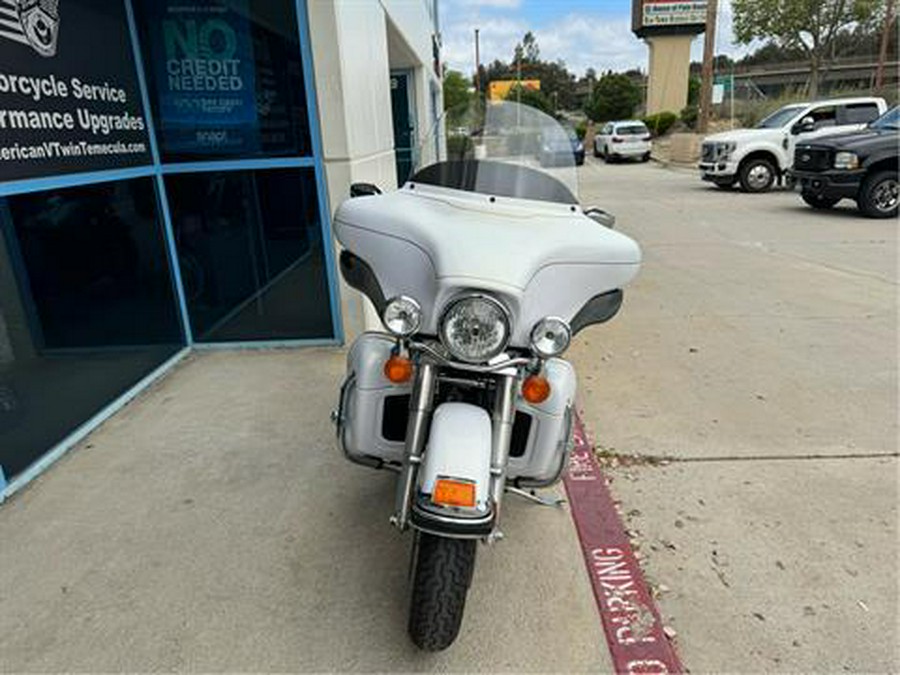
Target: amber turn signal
{"points": [[398, 369], [453, 493], [535, 389]]}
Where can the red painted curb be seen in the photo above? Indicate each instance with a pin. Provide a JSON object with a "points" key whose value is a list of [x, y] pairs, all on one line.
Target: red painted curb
{"points": [[630, 617]]}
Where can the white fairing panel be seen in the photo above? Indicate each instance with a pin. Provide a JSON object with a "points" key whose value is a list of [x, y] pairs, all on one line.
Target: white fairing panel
{"points": [[364, 410], [432, 243]]}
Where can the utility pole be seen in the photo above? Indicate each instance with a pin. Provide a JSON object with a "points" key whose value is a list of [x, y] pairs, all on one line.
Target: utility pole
{"points": [[477, 68], [709, 48], [885, 37]]}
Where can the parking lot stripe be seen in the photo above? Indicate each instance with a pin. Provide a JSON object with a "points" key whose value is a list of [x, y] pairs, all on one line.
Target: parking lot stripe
{"points": [[631, 621]]}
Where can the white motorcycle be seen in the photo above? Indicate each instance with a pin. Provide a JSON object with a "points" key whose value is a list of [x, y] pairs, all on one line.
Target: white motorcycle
{"points": [[482, 267]]}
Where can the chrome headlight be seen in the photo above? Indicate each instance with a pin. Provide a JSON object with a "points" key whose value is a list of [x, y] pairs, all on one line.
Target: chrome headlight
{"points": [[402, 316], [550, 337], [475, 328], [846, 160]]}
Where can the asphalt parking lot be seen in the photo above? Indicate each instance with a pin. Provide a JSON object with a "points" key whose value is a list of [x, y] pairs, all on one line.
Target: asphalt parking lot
{"points": [[745, 404], [757, 352]]}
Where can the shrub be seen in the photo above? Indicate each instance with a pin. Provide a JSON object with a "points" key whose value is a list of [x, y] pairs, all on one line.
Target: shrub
{"points": [[581, 130], [689, 115], [660, 123]]}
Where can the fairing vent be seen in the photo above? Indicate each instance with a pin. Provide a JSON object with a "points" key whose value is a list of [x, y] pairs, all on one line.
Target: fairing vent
{"points": [[520, 433], [394, 418]]}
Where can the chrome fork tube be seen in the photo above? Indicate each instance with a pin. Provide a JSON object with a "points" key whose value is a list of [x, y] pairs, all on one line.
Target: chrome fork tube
{"points": [[420, 406], [504, 410]]}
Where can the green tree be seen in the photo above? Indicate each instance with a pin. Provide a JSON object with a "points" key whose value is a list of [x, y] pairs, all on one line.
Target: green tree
{"points": [[557, 83], [614, 97], [456, 90], [812, 26], [530, 45], [531, 97], [694, 85]]}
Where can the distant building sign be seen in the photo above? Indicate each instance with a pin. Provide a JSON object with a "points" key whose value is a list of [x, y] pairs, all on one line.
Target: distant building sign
{"points": [[668, 17], [69, 99], [669, 13], [498, 90]]}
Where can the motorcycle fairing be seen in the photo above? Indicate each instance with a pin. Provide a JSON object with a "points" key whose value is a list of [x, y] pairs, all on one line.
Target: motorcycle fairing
{"points": [[538, 257]]}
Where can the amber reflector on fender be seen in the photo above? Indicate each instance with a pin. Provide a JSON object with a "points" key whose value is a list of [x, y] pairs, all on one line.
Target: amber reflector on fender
{"points": [[535, 389], [398, 369], [453, 493]]}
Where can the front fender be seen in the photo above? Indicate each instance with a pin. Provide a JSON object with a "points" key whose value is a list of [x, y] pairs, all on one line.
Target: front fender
{"points": [[778, 153], [459, 446]]}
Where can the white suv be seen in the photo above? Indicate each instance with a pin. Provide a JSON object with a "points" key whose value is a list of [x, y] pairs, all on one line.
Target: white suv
{"points": [[756, 157]]}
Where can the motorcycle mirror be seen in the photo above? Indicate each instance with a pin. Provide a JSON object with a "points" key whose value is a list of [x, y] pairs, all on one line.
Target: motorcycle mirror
{"points": [[598, 215], [364, 190]]}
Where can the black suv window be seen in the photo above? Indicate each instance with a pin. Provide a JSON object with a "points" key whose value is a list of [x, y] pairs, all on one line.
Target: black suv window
{"points": [[857, 113]]}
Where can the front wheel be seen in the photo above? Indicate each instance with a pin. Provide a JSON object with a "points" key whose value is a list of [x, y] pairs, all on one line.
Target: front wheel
{"points": [[441, 578], [879, 196], [757, 175], [818, 201]]}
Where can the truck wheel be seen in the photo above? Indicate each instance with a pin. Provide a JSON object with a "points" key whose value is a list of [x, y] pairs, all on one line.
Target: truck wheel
{"points": [[596, 150], [757, 175], [442, 576], [818, 201], [879, 195]]}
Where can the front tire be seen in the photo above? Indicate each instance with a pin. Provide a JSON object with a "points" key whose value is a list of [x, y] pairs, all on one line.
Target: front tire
{"points": [[879, 196], [818, 201], [757, 175], [596, 151], [645, 157], [606, 156], [441, 578]]}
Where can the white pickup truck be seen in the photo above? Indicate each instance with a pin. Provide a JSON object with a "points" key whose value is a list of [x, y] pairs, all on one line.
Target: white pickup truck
{"points": [[756, 157]]}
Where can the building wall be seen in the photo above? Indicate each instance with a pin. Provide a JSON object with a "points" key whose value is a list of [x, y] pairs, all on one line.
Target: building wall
{"points": [[202, 219], [670, 60], [355, 47]]}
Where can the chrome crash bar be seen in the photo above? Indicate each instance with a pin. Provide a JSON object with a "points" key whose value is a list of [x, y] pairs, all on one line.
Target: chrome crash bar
{"points": [[443, 360]]}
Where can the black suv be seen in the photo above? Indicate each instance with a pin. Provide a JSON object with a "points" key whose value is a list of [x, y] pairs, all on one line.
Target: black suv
{"points": [[861, 165]]}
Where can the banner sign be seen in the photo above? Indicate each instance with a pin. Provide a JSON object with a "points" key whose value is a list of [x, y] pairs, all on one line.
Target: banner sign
{"points": [[69, 98], [674, 12], [498, 90], [203, 69]]}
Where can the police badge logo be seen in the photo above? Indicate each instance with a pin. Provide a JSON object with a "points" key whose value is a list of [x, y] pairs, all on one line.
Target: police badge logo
{"points": [[32, 22]]}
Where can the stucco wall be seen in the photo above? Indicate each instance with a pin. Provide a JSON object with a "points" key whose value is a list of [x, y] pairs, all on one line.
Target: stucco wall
{"points": [[352, 65]]}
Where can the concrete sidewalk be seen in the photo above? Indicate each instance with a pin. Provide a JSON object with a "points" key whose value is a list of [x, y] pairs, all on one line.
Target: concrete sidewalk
{"points": [[212, 525], [757, 351]]}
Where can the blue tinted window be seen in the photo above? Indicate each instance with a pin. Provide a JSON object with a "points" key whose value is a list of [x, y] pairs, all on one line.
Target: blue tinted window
{"points": [[87, 308], [251, 256]]}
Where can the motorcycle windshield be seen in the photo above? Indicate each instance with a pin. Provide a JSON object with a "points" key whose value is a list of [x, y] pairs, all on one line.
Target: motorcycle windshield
{"points": [[501, 149]]}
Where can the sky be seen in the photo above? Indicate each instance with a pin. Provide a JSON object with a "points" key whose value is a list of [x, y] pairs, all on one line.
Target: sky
{"points": [[583, 33]]}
